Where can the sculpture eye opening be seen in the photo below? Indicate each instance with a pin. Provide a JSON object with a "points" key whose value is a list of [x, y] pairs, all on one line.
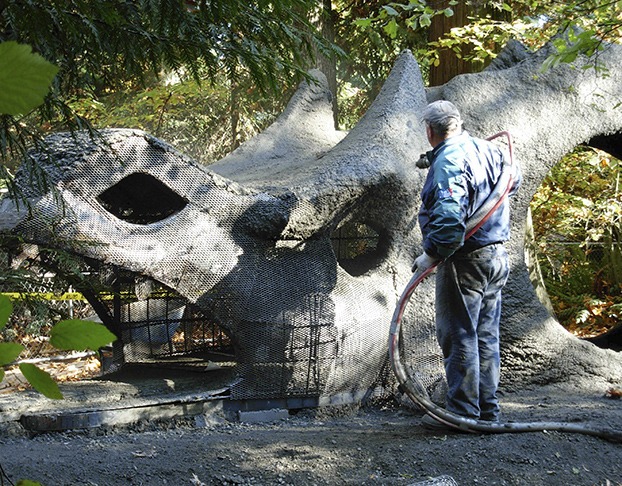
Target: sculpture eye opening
{"points": [[140, 198], [356, 246], [574, 245]]}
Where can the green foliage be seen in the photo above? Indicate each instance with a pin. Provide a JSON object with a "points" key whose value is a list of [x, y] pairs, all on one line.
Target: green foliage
{"points": [[33, 281], [479, 41], [482, 34], [584, 25], [79, 335], [41, 381], [105, 46], [400, 25], [6, 308], [372, 51], [65, 335], [194, 117], [577, 215], [32, 317], [24, 82], [569, 47], [9, 352], [25, 78], [101, 45], [416, 14]]}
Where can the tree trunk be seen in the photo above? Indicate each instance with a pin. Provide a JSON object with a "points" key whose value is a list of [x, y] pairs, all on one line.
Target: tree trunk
{"points": [[450, 63], [234, 115], [326, 64], [454, 63]]}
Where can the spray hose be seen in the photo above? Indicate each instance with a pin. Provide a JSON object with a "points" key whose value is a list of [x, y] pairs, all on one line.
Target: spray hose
{"points": [[411, 385]]}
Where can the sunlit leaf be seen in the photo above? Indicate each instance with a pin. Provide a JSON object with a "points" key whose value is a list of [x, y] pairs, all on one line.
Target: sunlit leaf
{"points": [[363, 22], [412, 23], [6, 309], [27, 482], [25, 78], [550, 62], [79, 335], [391, 28], [9, 352], [569, 57], [41, 381], [582, 316], [559, 43], [390, 10]]}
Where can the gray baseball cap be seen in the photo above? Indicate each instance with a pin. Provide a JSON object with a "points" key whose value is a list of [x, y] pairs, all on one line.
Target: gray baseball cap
{"points": [[439, 112]]}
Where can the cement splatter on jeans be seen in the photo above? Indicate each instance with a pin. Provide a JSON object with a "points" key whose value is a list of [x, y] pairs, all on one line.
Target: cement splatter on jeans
{"points": [[468, 308]]}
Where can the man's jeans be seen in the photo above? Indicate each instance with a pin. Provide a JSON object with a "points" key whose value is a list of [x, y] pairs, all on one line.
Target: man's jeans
{"points": [[468, 308]]}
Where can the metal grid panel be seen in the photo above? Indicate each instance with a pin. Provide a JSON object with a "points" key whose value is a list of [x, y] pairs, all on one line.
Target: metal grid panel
{"points": [[298, 324], [423, 362]]}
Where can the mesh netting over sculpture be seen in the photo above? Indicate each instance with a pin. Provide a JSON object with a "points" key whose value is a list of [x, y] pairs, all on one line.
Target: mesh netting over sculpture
{"points": [[136, 202], [253, 241]]}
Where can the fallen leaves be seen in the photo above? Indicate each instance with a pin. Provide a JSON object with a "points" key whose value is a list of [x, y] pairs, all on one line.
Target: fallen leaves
{"points": [[78, 369]]}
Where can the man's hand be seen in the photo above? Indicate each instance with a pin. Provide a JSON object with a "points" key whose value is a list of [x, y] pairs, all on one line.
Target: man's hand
{"points": [[423, 262]]}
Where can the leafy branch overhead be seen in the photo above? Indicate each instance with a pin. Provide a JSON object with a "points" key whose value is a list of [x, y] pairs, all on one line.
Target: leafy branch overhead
{"points": [[106, 46], [25, 78], [582, 26]]}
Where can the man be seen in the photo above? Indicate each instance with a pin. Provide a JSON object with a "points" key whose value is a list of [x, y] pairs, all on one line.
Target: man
{"points": [[463, 172]]}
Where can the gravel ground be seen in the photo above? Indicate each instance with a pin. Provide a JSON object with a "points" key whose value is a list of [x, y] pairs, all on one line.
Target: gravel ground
{"points": [[379, 444]]}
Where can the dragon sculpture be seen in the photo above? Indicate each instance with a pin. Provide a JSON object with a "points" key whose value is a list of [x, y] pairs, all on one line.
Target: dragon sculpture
{"points": [[249, 239]]}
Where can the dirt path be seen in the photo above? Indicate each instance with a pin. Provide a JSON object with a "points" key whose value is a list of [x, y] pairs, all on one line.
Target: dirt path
{"points": [[381, 444]]}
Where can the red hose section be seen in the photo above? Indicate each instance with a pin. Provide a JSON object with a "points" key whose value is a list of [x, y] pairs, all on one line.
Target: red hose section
{"points": [[507, 189]]}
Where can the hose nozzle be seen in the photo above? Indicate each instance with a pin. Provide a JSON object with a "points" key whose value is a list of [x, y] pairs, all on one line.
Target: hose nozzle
{"points": [[424, 161]]}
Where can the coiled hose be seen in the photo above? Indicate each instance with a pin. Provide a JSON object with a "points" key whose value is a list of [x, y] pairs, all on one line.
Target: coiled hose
{"points": [[412, 387]]}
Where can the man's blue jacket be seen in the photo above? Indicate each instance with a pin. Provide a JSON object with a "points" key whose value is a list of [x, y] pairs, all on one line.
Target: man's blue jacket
{"points": [[462, 174]]}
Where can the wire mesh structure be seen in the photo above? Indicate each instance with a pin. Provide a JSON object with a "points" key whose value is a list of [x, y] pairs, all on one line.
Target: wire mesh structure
{"points": [[157, 324], [153, 324], [196, 264], [423, 362], [38, 300], [249, 240]]}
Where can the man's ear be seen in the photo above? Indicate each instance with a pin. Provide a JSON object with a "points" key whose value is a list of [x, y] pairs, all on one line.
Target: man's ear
{"points": [[429, 133]]}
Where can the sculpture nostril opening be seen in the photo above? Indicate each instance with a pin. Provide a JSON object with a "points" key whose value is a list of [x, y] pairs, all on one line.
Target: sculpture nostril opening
{"points": [[357, 247], [140, 198]]}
